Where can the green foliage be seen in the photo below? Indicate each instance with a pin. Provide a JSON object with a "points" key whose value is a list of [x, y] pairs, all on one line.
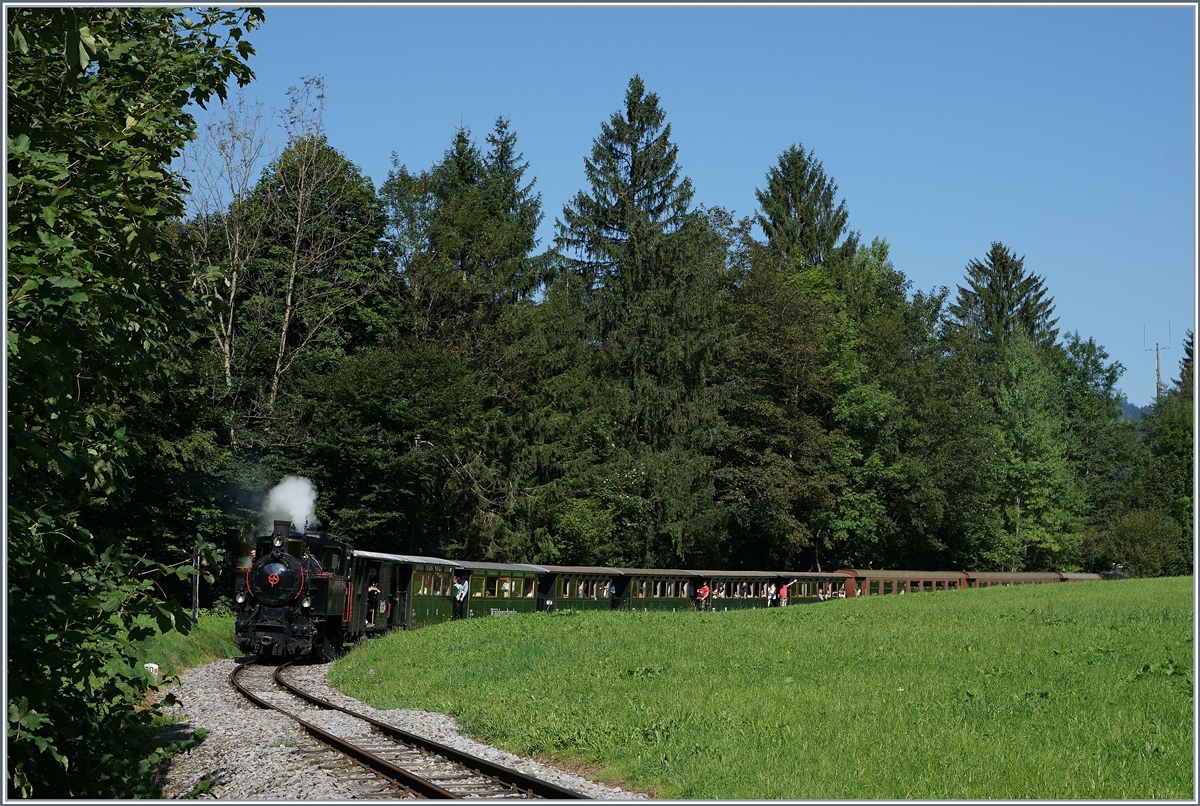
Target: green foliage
{"points": [[1038, 499], [1145, 542], [1166, 478], [1102, 446], [776, 704], [583, 530], [387, 426], [465, 233], [96, 102], [776, 472]]}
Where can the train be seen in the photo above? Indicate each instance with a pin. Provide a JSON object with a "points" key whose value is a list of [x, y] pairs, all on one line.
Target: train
{"points": [[305, 595]]}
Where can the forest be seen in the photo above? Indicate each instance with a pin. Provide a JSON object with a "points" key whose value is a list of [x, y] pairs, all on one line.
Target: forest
{"points": [[664, 385], [658, 387]]}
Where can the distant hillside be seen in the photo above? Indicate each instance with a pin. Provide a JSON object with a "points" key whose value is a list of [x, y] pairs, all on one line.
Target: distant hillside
{"points": [[1133, 412]]}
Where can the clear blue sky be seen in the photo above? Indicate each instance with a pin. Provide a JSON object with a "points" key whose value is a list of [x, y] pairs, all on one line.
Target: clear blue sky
{"points": [[1066, 133]]}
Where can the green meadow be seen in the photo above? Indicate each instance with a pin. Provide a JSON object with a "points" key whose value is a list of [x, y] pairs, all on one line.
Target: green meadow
{"points": [[1082, 690]]}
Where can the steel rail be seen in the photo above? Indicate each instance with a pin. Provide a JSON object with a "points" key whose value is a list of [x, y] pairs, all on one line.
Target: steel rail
{"points": [[400, 775], [507, 775]]}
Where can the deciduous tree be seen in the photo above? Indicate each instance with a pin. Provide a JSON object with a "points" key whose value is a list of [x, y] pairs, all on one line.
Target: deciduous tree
{"points": [[97, 110]]}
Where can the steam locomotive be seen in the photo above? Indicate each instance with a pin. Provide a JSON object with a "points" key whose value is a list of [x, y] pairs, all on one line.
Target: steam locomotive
{"points": [[290, 598], [306, 595]]}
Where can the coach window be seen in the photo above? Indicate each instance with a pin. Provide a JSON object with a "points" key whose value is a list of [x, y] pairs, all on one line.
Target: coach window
{"points": [[491, 587], [476, 586], [530, 587], [506, 587]]}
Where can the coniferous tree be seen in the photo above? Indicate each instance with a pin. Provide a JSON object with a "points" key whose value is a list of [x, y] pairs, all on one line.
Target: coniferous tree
{"points": [[648, 272], [777, 468], [999, 302], [1102, 445], [465, 233], [799, 216]]}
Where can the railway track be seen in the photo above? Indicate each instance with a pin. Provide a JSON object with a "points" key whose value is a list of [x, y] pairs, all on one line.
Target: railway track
{"points": [[382, 760]]}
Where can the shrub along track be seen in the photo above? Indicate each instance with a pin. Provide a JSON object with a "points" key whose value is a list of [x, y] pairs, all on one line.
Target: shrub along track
{"points": [[384, 761]]}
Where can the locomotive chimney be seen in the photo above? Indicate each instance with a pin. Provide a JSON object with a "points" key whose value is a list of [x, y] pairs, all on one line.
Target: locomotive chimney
{"points": [[282, 530]]}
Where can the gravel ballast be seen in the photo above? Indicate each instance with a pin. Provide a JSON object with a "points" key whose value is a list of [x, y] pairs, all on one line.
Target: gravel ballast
{"points": [[254, 754]]}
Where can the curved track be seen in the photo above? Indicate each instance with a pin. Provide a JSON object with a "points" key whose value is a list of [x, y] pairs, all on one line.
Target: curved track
{"points": [[414, 764]]}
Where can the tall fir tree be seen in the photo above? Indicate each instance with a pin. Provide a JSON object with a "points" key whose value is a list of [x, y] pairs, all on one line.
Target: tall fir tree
{"points": [[799, 213], [465, 235], [649, 273], [1000, 301]]}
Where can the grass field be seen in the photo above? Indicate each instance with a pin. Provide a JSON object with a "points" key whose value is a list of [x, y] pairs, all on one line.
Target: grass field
{"points": [[1081, 690], [209, 640]]}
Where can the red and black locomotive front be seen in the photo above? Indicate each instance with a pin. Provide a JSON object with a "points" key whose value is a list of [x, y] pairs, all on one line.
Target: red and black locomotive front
{"points": [[289, 599]]}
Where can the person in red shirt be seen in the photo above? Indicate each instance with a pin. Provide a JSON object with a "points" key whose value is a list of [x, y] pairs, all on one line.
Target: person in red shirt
{"points": [[702, 596]]}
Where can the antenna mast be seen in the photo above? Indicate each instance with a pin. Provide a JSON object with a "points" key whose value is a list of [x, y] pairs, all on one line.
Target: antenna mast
{"points": [[1157, 370]]}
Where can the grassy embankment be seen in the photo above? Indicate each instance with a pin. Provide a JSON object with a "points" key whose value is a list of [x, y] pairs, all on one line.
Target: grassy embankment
{"points": [[1052, 691], [209, 640]]}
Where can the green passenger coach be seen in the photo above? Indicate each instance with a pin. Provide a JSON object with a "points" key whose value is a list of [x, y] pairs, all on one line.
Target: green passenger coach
{"points": [[656, 589], [413, 591], [563, 588], [500, 589], [737, 590]]}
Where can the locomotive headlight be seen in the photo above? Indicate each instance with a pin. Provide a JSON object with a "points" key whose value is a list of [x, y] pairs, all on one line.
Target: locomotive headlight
{"points": [[278, 541], [241, 597], [306, 602]]}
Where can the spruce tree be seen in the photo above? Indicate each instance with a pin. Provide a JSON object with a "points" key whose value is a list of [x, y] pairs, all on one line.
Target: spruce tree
{"points": [[799, 216], [465, 233], [999, 301], [649, 273]]}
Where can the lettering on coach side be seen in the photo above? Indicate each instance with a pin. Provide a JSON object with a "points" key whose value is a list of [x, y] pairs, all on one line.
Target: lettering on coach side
{"points": [[498, 612]]}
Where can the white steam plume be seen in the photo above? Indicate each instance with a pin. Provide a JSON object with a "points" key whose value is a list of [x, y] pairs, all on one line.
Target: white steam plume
{"points": [[291, 499]]}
